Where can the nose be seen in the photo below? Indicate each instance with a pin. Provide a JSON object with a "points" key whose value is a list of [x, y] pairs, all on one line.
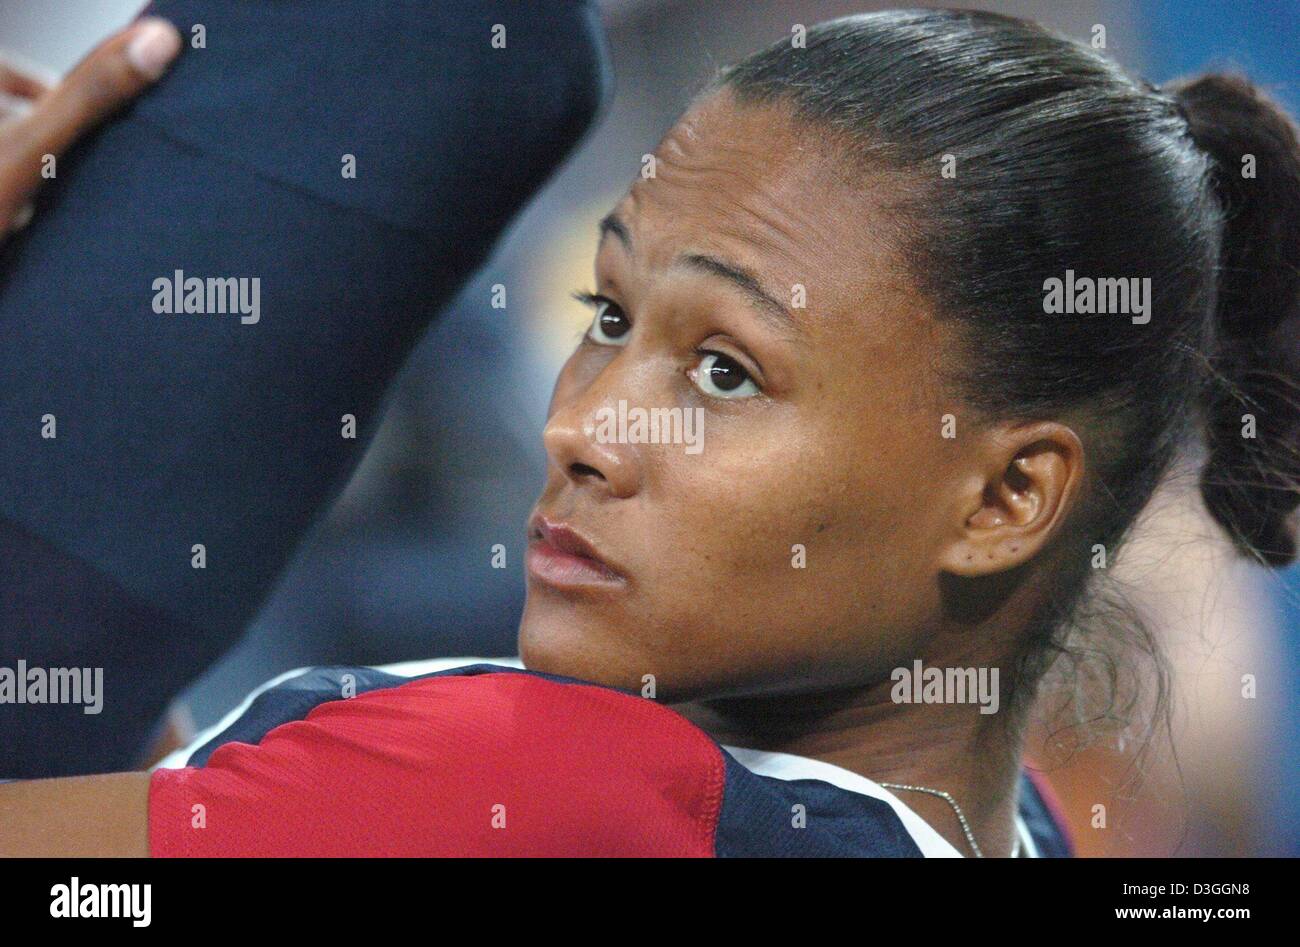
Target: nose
{"points": [[576, 444]]}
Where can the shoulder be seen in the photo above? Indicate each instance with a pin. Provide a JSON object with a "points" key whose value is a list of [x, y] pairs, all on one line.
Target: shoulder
{"points": [[478, 759], [480, 702], [450, 758]]}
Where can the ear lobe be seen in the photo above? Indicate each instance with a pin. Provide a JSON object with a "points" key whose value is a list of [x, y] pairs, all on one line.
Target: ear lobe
{"points": [[1019, 508]]}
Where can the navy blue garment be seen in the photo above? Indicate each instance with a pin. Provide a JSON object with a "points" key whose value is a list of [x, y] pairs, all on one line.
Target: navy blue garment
{"points": [[203, 428]]}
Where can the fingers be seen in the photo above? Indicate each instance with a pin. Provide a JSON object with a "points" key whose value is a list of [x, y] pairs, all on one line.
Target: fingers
{"points": [[112, 74], [19, 84], [18, 90], [115, 72]]}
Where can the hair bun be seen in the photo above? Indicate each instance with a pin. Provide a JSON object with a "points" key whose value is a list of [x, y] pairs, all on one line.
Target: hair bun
{"points": [[1251, 481]]}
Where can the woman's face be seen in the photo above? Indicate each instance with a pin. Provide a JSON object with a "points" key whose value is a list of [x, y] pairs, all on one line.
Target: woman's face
{"points": [[793, 544]]}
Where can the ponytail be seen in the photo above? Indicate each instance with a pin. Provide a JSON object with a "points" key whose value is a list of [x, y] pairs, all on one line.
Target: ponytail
{"points": [[1251, 480]]}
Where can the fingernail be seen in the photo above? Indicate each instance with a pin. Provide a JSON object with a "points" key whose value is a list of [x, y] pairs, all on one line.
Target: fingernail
{"points": [[154, 45]]}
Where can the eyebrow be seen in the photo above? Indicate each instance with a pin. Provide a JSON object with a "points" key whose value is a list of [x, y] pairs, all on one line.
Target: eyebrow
{"points": [[746, 282], [610, 224], [738, 276]]}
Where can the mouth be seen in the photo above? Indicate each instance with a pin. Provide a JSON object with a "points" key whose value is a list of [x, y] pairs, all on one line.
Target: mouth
{"points": [[560, 556]]}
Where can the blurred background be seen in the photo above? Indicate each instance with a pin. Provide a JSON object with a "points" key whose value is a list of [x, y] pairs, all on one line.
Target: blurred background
{"points": [[396, 571]]}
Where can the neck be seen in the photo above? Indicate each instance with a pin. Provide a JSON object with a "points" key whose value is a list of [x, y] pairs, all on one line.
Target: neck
{"points": [[951, 747]]}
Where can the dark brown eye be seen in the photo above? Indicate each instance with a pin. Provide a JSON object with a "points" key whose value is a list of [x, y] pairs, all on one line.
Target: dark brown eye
{"points": [[610, 325], [726, 374], [721, 376]]}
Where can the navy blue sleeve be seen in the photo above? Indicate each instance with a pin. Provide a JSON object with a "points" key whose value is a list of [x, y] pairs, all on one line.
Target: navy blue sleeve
{"points": [[182, 429]]}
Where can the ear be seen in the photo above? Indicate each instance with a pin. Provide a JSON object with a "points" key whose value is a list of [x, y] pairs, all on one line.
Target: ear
{"points": [[1023, 483]]}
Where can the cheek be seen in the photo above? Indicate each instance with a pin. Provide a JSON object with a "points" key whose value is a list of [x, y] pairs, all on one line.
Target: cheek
{"points": [[742, 514], [761, 557], [739, 523], [795, 567]]}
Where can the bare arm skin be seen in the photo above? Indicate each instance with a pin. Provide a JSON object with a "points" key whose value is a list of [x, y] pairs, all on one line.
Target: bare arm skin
{"points": [[82, 816]]}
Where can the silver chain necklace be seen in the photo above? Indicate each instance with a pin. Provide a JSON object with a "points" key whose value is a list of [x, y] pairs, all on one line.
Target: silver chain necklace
{"points": [[961, 816]]}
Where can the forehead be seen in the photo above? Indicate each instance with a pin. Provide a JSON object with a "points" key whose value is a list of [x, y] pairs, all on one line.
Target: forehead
{"points": [[753, 184]]}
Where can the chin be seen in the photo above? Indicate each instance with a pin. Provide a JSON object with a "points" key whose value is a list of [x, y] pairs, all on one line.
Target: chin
{"points": [[555, 643]]}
